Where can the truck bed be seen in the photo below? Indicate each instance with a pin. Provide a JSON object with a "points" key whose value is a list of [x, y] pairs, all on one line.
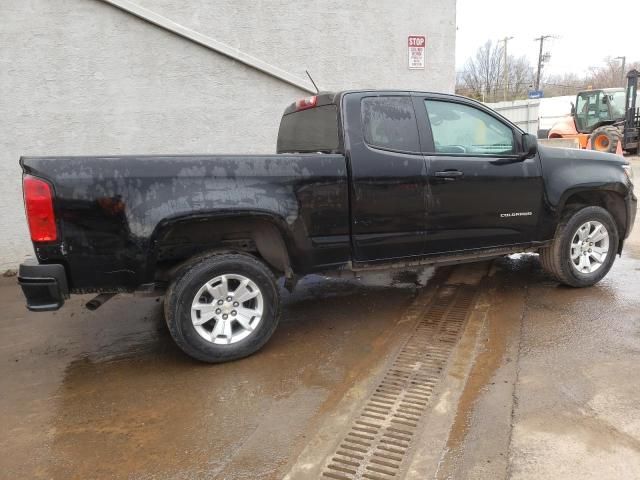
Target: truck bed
{"points": [[117, 215]]}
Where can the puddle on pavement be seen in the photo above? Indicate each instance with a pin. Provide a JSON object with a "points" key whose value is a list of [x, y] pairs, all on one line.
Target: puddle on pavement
{"points": [[127, 403]]}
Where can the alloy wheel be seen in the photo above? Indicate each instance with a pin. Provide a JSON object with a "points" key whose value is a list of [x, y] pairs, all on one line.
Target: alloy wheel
{"points": [[589, 247], [227, 309]]}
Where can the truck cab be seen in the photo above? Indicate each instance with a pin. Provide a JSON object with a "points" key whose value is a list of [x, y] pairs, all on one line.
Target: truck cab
{"points": [[595, 108]]}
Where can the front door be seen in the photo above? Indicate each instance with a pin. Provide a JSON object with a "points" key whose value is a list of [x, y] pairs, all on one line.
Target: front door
{"points": [[480, 193]]}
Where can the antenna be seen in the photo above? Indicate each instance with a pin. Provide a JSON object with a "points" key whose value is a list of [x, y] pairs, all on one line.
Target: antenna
{"points": [[314, 83]]}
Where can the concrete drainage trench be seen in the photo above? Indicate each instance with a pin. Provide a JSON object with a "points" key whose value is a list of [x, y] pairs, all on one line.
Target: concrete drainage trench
{"points": [[381, 436]]}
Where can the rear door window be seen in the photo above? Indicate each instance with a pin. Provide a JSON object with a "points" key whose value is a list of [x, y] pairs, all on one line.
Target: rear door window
{"points": [[389, 123]]}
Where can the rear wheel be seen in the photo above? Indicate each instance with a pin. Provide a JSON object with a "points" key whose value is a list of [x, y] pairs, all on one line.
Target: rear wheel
{"points": [[223, 307], [583, 249], [605, 139]]}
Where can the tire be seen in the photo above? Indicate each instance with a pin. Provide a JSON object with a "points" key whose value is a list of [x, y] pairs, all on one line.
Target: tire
{"points": [[557, 259], [605, 139], [217, 340]]}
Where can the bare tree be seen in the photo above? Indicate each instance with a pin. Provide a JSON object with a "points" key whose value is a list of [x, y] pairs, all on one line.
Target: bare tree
{"points": [[483, 75], [564, 84], [610, 74], [520, 77]]}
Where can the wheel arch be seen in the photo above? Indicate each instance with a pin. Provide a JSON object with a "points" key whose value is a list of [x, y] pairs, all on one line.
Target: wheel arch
{"points": [[178, 241], [609, 199]]}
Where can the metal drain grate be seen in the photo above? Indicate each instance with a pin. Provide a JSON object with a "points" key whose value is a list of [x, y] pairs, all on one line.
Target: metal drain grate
{"points": [[381, 435]]}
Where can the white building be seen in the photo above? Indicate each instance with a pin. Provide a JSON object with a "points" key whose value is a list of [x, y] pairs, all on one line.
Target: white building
{"points": [[86, 77]]}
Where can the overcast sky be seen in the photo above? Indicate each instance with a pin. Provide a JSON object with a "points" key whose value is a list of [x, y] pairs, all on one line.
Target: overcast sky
{"points": [[587, 30]]}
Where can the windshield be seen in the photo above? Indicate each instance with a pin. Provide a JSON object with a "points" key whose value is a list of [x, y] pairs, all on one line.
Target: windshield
{"points": [[617, 104]]}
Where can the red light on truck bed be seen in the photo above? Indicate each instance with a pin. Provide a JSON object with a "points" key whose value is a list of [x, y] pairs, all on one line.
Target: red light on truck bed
{"points": [[308, 102], [38, 203]]}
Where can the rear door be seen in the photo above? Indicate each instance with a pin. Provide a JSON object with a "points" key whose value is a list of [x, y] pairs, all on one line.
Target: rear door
{"points": [[388, 176], [481, 194]]}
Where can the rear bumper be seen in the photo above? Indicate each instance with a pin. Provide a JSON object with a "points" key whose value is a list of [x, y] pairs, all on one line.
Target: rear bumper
{"points": [[44, 286]]}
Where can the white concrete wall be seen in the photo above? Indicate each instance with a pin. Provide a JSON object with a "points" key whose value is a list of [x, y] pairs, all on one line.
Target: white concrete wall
{"points": [[81, 77]]}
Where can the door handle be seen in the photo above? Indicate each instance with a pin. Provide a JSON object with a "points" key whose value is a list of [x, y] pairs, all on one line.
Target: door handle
{"points": [[449, 174]]}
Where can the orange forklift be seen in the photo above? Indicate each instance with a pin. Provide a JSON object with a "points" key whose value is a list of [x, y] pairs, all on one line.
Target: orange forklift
{"points": [[600, 119]]}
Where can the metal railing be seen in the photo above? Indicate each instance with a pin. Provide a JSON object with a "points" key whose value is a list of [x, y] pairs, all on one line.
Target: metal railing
{"points": [[211, 44]]}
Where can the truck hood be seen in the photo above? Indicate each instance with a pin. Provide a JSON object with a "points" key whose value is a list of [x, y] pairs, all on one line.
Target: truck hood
{"points": [[581, 157], [566, 171]]}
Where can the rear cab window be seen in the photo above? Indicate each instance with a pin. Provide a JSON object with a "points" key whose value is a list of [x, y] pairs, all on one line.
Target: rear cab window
{"points": [[310, 130], [389, 123]]}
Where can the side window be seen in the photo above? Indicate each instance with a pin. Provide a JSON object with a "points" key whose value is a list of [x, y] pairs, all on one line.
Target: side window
{"points": [[462, 129], [390, 123]]}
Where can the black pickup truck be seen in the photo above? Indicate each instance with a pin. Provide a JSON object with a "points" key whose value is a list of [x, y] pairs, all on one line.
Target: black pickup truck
{"points": [[362, 180]]}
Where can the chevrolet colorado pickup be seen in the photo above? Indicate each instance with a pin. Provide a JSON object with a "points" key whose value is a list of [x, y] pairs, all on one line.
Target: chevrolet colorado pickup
{"points": [[362, 180]]}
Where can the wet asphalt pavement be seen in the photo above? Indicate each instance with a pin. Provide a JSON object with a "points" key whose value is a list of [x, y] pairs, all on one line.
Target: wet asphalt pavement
{"points": [[544, 382], [554, 384], [106, 394]]}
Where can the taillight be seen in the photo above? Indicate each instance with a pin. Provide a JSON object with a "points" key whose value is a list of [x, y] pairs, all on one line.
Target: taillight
{"points": [[38, 203], [305, 103]]}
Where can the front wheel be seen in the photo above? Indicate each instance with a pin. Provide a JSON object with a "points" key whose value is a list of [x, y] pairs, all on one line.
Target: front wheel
{"points": [[223, 307], [583, 249]]}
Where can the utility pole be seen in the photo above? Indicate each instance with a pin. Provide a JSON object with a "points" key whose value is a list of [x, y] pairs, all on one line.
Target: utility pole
{"points": [[506, 68], [624, 63], [540, 39]]}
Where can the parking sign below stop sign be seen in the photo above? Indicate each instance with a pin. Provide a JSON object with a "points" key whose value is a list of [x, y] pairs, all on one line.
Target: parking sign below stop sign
{"points": [[417, 44]]}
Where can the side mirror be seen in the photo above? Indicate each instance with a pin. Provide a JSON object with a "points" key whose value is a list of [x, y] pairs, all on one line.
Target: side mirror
{"points": [[529, 145], [573, 110]]}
